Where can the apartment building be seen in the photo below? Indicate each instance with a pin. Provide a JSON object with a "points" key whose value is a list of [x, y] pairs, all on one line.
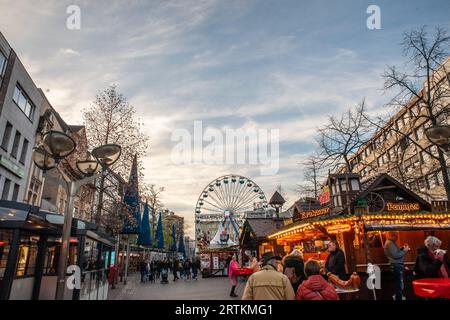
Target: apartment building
{"points": [[399, 147], [169, 219], [20, 103]]}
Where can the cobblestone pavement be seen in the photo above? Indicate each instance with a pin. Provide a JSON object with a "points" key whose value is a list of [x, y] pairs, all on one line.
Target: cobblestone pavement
{"points": [[201, 289]]}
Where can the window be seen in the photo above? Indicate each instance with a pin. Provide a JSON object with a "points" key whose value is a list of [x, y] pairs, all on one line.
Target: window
{"points": [[2, 66], [434, 151], [440, 178], [23, 153], [432, 180], [6, 186], [16, 143], [6, 136], [15, 192], [355, 184], [343, 185], [28, 250], [33, 191], [5, 243], [23, 102], [422, 183]]}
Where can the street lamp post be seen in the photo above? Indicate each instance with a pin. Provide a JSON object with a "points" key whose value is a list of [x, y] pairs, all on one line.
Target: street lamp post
{"points": [[55, 147], [439, 135]]}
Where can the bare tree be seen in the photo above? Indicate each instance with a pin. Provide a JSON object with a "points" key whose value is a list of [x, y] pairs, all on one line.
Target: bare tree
{"points": [[425, 88], [152, 195], [313, 175], [111, 119], [342, 136]]}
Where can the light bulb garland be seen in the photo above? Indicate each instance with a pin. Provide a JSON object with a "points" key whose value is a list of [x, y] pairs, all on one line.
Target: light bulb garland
{"points": [[357, 221]]}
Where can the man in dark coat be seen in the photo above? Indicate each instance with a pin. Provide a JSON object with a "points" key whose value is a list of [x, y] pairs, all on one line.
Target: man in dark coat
{"points": [[143, 269], [175, 269], [336, 260], [294, 268]]}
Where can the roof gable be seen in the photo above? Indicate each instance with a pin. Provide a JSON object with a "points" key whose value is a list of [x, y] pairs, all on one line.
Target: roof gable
{"points": [[385, 183]]}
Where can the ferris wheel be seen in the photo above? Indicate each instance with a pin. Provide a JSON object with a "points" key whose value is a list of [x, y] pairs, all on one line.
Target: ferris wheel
{"points": [[224, 201]]}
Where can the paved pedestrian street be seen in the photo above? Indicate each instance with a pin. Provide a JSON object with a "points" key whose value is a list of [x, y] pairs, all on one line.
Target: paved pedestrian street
{"points": [[201, 289]]}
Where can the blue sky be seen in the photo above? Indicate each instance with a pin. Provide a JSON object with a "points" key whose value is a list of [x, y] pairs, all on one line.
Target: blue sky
{"points": [[238, 64]]}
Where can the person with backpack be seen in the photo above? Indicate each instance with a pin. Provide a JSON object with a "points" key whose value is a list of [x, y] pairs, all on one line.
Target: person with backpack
{"points": [[315, 287], [294, 268]]}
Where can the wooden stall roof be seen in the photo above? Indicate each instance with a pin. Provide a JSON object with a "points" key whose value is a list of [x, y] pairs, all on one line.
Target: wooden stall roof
{"points": [[259, 228]]}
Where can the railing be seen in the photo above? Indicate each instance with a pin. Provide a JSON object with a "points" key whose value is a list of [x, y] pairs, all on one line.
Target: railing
{"points": [[440, 206], [94, 285]]}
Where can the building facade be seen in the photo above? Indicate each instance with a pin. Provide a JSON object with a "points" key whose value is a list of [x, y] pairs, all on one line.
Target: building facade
{"points": [[170, 219], [20, 103], [398, 147]]}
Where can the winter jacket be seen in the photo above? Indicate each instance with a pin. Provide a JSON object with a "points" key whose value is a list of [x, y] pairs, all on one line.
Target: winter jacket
{"points": [[316, 288], [336, 263], [427, 266], [268, 284], [294, 269], [395, 254]]}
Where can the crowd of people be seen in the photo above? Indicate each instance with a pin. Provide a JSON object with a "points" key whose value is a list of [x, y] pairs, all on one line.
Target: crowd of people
{"points": [[154, 270], [431, 261], [291, 277]]}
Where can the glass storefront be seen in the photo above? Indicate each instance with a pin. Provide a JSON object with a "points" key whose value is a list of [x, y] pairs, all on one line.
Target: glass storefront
{"points": [[51, 257], [5, 244], [28, 250]]}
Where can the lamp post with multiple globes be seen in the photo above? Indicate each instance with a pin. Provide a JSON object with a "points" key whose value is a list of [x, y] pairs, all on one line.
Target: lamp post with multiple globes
{"points": [[55, 147]]}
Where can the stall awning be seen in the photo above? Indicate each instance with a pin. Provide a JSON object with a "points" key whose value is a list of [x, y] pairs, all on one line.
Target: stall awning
{"points": [[22, 216], [379, 221]]}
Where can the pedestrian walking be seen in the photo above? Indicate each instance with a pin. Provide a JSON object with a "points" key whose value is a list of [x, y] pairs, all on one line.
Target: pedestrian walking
{"points": [[268, 283], [195, 268], [143, 269], [432, 261], [294, 268], [336, 260], [187, 269], [396, 256], [315, 287], [175, 270], [232, 269]]}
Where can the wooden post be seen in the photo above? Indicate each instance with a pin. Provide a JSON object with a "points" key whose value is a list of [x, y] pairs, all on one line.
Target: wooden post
{"points": [[350, 260]]}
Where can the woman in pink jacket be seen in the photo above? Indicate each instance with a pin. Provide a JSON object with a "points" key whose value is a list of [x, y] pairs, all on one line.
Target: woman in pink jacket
{"points": [[232, 269]]}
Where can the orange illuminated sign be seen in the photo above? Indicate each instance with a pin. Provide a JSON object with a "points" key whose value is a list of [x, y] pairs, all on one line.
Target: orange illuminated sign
{"points": [[338, 228], [314, 213], [390, 206]]}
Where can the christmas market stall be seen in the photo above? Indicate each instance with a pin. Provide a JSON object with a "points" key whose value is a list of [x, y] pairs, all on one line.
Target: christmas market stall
{"points": [[358, 215], [253, 237]]}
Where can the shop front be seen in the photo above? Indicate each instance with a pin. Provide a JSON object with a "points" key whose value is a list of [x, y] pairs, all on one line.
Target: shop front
{"points": [[214, 261], [30, 243], [23, 234], [253, 237]]}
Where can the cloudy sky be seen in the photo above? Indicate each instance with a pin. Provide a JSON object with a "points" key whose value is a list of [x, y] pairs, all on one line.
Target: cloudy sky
{"points": [[231, 64]]}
